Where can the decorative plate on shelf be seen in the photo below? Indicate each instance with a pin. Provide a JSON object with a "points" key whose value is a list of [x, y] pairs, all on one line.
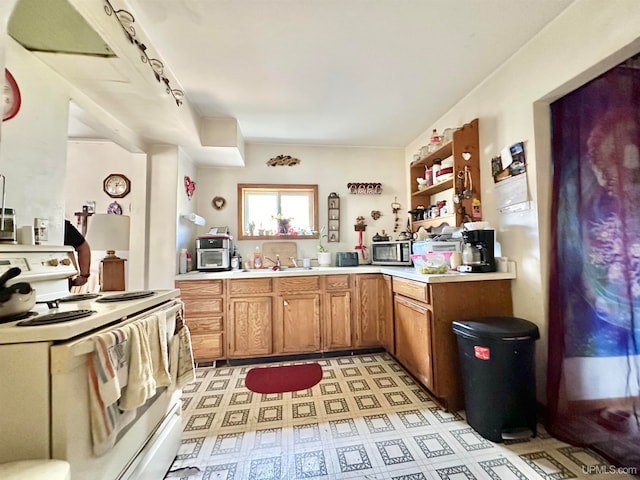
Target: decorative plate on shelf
{"points": [[10, 96]]}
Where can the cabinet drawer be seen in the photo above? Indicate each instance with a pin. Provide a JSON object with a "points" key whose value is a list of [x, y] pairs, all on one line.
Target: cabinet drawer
{"points": [[338, 282], [207, 346], [203, 305], [247, 286], [205, 324], [411, 288], [199, 288], [299, 284]]}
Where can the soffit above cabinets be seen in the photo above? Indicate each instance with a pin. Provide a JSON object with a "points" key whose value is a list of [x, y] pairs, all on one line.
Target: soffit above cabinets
{"points": [[55, 26]]}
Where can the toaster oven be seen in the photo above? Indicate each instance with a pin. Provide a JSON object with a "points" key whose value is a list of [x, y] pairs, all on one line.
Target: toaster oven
{"points": [[213, 253]]}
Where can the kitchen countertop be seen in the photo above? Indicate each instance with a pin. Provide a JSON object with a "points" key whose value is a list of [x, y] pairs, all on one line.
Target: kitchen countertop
{"points": [[403, 272]]}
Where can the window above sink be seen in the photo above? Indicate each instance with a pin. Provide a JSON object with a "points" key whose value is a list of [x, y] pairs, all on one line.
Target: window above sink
{"points": [[277, 211]]}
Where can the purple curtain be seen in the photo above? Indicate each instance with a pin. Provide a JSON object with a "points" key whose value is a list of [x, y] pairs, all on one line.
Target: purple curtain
{"points": [[594, 299]]}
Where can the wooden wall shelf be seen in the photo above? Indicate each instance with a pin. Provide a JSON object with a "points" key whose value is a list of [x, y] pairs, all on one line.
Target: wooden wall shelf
{"points": [[465, 141]]}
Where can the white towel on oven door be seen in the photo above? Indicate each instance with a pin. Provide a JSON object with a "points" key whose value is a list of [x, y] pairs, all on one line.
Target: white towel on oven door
{"points": [[141, 385], [157, 331], [181, 364]]}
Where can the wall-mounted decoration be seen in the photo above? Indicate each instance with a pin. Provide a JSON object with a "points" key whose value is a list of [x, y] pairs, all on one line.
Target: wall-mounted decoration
{"points": [[218, 203], [333, 209], [115, 208], [116, 185], [364, 188], [395, 208], [189, 186], [126, 21], [12, 98], [360, 227], [283, 160], [375, 214]]}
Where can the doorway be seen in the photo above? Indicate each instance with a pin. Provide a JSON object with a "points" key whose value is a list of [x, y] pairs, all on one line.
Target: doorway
{"points": [[593, 381]]}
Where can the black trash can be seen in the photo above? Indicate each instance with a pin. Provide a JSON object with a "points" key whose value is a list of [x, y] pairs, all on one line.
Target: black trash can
{"points": [[497, 363]]}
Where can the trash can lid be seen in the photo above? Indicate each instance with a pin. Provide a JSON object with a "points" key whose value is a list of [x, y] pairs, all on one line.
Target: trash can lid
{"points": [[503, 328]]}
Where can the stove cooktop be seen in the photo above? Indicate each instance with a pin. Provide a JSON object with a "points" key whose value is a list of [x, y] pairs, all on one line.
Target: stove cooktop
{"points": [[105, 313], [56, 317]]}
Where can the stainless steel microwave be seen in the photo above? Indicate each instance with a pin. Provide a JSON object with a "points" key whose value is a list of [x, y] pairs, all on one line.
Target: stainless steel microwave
{"points": [[391, 253]]}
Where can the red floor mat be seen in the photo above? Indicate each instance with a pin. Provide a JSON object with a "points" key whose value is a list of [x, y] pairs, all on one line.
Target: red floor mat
{"points": [[287, 378]]}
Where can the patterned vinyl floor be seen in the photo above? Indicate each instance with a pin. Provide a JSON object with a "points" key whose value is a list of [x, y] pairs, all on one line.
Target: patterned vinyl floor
{"points": [[366, 419]]}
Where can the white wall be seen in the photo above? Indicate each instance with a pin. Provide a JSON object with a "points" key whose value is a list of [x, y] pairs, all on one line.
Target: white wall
{"points": [[88, 164], [331, 168], [587, 39], [34, 143], [187, 230], [162, 214]]}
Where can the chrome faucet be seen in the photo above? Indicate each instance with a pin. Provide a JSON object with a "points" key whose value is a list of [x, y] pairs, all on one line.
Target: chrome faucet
{"points": [[277, 261], [293, 260]]}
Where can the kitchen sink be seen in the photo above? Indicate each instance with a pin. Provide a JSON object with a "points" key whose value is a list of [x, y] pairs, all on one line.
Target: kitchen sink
{"points": [[270, 271]]}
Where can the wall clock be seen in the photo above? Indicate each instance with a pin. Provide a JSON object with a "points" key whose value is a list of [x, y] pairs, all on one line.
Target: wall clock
{"points": [[11, 99], [116, 185]]}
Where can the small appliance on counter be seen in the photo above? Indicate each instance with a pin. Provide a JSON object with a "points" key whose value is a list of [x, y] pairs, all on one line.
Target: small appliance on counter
{"points": [[478, 251], [391, 253], [213, 251], [347, 259]]}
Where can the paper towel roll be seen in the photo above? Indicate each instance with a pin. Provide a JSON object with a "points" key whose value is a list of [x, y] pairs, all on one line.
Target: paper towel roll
{"points": [[192, 217]]}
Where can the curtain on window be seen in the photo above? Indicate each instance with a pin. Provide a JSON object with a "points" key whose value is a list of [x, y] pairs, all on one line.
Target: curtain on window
{"points": [[594, 299]]}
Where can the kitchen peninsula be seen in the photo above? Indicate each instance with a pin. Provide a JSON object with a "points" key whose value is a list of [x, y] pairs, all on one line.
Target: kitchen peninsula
{"points": [[240, 315]]}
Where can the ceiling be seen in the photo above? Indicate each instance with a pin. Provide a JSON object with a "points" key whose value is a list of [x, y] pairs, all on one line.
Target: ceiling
{"points": [[316, 72], [336, 72]]}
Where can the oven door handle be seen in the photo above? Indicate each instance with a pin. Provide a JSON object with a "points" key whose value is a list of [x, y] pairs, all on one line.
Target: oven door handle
{"points": [[87, 345]]}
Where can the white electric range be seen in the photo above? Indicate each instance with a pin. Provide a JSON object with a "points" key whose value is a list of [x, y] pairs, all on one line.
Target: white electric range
{"points": [[44, 376]]}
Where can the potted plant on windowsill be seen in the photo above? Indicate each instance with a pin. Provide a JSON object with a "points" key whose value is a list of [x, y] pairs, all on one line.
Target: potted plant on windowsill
{"points": [[324, 256]]}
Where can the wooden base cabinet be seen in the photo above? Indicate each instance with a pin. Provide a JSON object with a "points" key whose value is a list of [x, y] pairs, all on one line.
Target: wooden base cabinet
{"points": [[250, 320], [371, 309], [337, 315], [204, 315], [250, 333], [424, 339], [413, 338], [387, 333], [298, 319]]}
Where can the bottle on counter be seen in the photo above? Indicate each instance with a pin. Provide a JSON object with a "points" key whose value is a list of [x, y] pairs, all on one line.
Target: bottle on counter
{"points": [[257, 258], [235, 264], [183, 261], [189, 262]]}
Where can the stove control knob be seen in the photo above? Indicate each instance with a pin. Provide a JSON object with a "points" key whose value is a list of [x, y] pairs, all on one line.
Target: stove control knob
{"points": [[53, 262], [65, 261]]}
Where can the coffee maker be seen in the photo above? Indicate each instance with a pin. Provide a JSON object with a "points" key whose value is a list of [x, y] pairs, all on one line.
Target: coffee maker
{"points": [[482, 242]]}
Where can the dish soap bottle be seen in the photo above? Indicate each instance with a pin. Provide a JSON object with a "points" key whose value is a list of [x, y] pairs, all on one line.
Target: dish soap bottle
{"points": [[183, 260], [257, 258]]}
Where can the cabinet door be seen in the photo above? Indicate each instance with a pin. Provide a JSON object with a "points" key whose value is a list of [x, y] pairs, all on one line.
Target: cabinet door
{"points": [[370, 311], [249, 327], [413, 338], [337, 317], [386, 326], [299, 323]]}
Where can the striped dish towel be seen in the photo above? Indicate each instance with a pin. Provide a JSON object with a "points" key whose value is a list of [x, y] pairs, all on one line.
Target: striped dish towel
{"points": [[107, 370]]}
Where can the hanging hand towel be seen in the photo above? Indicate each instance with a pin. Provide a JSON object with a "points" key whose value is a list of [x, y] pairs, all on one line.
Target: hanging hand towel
{"points": [[157, 333], [107, 372], [141, 384]]}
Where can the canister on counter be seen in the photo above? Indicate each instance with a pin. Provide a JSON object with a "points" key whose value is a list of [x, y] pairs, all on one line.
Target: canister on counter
{"points": [[8, 226], [428, 176]]}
